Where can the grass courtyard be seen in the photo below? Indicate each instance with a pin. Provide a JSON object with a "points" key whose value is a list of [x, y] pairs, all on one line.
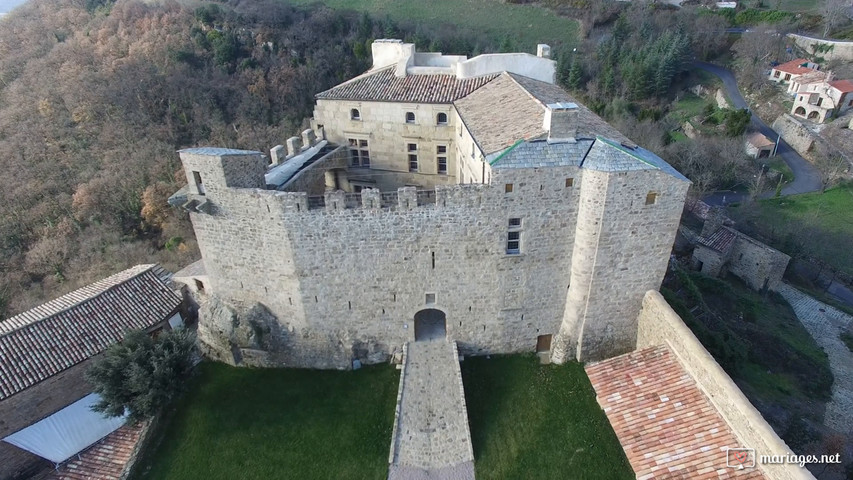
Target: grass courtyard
{"points": [[538, 421], [240, 423], [525, 25], [526, 420]]}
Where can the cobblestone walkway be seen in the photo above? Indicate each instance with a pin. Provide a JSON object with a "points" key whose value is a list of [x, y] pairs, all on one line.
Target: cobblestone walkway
{"points": [[431, 438], [825, 326]]}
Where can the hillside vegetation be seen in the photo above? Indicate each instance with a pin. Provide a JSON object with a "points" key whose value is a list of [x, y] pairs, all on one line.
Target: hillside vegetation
{"points": [[95, 97]]}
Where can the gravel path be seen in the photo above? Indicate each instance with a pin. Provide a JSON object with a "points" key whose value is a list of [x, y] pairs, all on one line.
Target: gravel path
{"points": [[825, 326]]}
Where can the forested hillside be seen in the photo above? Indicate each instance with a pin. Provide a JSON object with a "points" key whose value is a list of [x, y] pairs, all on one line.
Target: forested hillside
{"points": [[95, 98]]}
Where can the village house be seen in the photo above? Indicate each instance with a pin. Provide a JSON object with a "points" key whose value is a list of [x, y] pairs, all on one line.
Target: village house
{"points": [[759, 146], [788, 71], [822, 99], [45, 418]]}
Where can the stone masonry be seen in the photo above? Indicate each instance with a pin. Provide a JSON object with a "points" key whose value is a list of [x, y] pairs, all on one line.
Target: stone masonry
{"points": [[431, 437]]}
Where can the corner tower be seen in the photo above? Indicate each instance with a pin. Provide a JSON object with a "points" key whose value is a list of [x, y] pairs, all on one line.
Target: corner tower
{"points": [[630, 205]]}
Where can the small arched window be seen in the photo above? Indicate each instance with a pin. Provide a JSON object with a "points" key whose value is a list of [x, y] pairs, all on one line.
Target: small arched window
{"points": [[441, 118], [355, 114], [410, 117]]}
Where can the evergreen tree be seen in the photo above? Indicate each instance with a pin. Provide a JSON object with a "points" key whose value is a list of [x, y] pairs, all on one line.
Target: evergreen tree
{"points": [[575, 75]]}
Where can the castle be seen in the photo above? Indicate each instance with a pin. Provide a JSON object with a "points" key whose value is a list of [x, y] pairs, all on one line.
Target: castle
{"points": [[435, 195]]}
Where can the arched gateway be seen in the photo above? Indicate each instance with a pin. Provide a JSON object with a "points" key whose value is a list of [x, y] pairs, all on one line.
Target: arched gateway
{"points": [[430, 324]]}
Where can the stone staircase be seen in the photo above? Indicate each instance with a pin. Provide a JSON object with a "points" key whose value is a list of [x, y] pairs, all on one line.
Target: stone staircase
{"points": [[431, 439]]}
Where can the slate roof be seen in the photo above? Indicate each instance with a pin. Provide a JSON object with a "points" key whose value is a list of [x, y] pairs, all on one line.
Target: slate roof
{"points": [[667, 427], [512, 107], [217, 151], [610, 156], [540, 153], [721, 240], [105, 460], [794, 66], [61, 333], [758, 140], [383, 85]]}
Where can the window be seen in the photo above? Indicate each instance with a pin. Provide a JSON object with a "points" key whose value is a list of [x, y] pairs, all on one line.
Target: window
{"points": [[441, 158], [472, 150], [199, 185], [412, 148], [513, 237], [359, 153], [441, 119], [850, 103], [570, 182], [787, 76], [508, 189], [776, 74], [199, 286], [460, 131], [819, 101], [410, 117], [651, 198], [355, 114]]}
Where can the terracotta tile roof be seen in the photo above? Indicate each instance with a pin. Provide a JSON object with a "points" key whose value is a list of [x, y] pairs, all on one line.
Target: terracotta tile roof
{"points": [[794, 66], [721, 240], [666, 425], [105, 460], [383, 85], [758, 140], [512, 107], [59, 334], [842, 85]]}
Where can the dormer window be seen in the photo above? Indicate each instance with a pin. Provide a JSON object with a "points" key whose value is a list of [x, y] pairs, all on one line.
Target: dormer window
{"points": [[355, 114], [410, 117], [441, 119]]}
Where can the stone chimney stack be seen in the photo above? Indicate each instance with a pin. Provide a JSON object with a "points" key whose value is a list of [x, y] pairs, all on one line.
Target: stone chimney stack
{"points": [[561, 122], [543, 50], [277, 154], [390, 51], [293, 146]]}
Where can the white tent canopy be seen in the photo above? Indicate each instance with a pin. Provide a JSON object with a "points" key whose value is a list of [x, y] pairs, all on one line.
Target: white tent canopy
{"points": [[66, 432]]}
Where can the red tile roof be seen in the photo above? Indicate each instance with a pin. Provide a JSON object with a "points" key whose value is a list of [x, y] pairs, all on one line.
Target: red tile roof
{"points": [[59, 334], [105, 460], [666, 425], [794, 66], [383, 85], [721, 240], [843, 85]]}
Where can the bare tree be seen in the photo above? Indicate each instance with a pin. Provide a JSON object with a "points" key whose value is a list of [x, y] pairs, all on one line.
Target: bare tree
{"points": [[755, 50], [832, 167], [834, 12]]}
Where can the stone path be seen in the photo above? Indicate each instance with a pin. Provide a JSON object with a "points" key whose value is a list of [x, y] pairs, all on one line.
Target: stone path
{"points": [[825, 326], [431, 437]]}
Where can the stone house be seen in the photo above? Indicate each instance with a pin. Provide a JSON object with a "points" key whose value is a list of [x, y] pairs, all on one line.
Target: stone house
{"points": [[759, 146], [45, 352], [721, 249], [789, 71], [472, 196], [819, 100]]}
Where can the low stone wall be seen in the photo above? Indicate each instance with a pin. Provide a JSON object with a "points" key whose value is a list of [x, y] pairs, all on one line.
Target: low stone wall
{"points": [[659, 324], [757, 264], [839, 50], [797, 136]]}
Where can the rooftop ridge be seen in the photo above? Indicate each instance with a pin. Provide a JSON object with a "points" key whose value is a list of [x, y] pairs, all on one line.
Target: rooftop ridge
{"points": [[622, 148], [503, 154], [57, 306]]}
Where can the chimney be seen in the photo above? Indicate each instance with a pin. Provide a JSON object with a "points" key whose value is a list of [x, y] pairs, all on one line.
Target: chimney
{"points": [[308, 138], [561, 122], [543, 50], [277, 154], [293, 145], [387, 51]]}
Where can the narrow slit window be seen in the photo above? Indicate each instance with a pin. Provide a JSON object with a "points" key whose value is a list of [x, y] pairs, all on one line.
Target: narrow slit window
{"points": [[198, 183]]}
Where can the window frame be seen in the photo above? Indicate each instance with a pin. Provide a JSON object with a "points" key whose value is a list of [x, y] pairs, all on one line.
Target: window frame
{"points": [[414, 118], [359, 152], [438, 120], [441, 157], [355, 114], [513, 235], [412, 152]]}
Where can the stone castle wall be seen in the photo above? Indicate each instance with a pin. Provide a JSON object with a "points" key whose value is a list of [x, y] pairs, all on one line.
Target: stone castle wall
{"points": [[757, 264], [659, 324], [842, 51], [345, 283]]}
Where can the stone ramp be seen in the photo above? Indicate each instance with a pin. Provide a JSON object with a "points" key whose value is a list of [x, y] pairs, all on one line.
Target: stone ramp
{"points": [[431, 439]]}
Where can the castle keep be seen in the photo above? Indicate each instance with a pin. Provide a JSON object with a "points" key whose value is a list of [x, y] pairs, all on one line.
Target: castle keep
{"points": [[435, 196]]}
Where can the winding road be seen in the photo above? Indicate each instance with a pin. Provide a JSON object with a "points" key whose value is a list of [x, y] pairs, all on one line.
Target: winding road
{"points": [[806, 175]]}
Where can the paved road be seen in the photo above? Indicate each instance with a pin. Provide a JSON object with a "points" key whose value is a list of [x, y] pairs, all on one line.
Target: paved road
{"points": [[806, 176]]}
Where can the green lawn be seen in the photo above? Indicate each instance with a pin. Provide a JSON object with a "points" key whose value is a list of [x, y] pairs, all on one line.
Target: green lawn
{"points": [[533, 421], [239, 423], [524, 25], [687, 107], [825, 219]]}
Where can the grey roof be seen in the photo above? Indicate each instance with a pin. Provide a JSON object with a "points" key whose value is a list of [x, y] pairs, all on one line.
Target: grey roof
{"points": [[721, 240], [195, 269], [610, 156], [540, 153], [218, 152]]}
